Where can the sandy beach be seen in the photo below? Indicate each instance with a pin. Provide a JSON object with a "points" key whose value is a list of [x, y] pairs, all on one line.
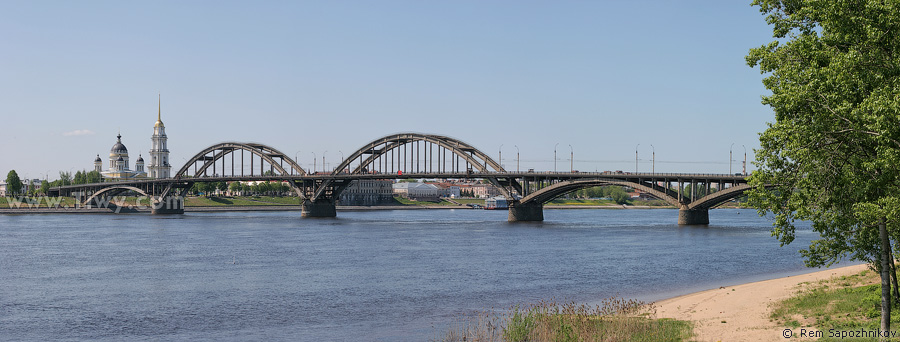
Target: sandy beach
{"points": [[741, 312]]}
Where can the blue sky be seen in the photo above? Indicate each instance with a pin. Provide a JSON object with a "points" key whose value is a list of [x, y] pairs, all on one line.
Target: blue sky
{"points": [[602, 76]]}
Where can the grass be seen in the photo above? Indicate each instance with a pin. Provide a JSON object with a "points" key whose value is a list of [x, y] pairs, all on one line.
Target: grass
{"points": [[615, 320], [844, 304], [584, 202], [238, 201]]}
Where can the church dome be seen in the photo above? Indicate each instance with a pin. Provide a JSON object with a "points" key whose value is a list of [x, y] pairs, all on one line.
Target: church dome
{"points": [[120, 159], [118, 147], [140, 159], [98, 160]]}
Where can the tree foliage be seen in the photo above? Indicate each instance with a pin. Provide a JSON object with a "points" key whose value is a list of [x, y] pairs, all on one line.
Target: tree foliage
{"points": [[13, 183], [615, 193], [832, 155], [65, 178]]}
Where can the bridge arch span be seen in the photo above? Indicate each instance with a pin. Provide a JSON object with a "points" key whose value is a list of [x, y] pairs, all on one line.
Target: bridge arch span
{"points": [[719, 197], [274, 157], [366, 156], [414, 153], [547, 194], [114, 190]]}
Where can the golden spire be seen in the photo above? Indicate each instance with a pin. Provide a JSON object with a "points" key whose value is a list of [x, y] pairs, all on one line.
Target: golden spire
{"points": [[159, 112]]}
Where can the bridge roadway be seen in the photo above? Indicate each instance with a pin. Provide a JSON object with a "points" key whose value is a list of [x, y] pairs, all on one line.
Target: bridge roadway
{"points": [[528, 190]]}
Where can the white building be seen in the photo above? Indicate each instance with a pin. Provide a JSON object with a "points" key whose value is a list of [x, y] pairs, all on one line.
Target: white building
{"points": [[417, 190]]}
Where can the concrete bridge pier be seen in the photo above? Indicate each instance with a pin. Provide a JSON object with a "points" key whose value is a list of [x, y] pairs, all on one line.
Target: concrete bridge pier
{"points": [[321, 208], [168, 205], [526, 212], [693, 217]]}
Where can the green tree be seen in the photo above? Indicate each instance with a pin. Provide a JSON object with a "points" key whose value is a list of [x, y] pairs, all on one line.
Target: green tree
{"points": [[618, 194], [45, 187], [13, 183], [235, 187], [262, 188], [832, 156], [65, 178], [221, 186], [93, 177], [80, 178]]}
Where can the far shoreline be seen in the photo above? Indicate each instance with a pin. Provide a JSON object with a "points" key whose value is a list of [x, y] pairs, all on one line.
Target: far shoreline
{"points": [[227, 208]]}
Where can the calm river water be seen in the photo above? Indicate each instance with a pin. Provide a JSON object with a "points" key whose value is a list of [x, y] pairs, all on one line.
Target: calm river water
{"points": [[367, 275]]}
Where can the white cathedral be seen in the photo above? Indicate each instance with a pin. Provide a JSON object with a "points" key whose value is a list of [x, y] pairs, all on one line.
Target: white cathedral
{"points": [[118, 157]]}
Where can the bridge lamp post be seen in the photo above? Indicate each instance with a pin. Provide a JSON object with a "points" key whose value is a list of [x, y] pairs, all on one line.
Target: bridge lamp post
{"points": [[554, 156], [653, 170], [517, 157], [636, 158], [730, 150], [314, 162], [342, 156], [323, 161], [745, 160], [500, 155], [296, 161], [571, 159]]}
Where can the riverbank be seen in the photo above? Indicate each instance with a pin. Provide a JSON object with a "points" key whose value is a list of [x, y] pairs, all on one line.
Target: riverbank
{"points": [[741, 312]]}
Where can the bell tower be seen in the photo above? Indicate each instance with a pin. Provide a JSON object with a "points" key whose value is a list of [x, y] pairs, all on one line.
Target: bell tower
{"points": [[159, 152]]}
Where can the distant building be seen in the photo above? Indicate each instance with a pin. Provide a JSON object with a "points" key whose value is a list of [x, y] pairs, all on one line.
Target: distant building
{"points": [[417, 191], [368, 192], [118, 164], [448, 189], [640, 195], [2, 189], [497, 202], [30, 185], [484, 191]]}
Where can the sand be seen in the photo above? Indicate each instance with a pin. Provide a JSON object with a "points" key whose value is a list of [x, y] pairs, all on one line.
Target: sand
{"points": [[741, 312]]}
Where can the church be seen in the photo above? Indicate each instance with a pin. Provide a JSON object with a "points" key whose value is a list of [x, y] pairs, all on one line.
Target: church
{"points": [[118, 166]]}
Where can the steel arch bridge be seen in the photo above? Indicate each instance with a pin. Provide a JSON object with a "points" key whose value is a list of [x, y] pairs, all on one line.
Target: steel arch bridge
{"points": [[416, 156]]}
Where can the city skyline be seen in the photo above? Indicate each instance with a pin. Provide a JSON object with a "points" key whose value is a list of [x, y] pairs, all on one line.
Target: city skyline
{"points": [[327, 78]]}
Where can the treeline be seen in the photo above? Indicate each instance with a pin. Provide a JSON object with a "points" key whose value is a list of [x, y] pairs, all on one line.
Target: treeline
{"points": [[262, 188], [16, 186], [621, 194], [615, 193]]}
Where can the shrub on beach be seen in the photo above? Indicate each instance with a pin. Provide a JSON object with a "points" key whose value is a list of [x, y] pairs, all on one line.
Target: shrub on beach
{"points": [[615, 319]]}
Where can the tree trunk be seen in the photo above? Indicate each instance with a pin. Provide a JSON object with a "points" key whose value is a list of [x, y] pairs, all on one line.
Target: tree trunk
{"points": [[896, 292], [885, 279]]}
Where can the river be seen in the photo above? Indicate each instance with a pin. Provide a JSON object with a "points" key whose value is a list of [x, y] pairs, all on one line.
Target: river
{"points": [[393, 275]]}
